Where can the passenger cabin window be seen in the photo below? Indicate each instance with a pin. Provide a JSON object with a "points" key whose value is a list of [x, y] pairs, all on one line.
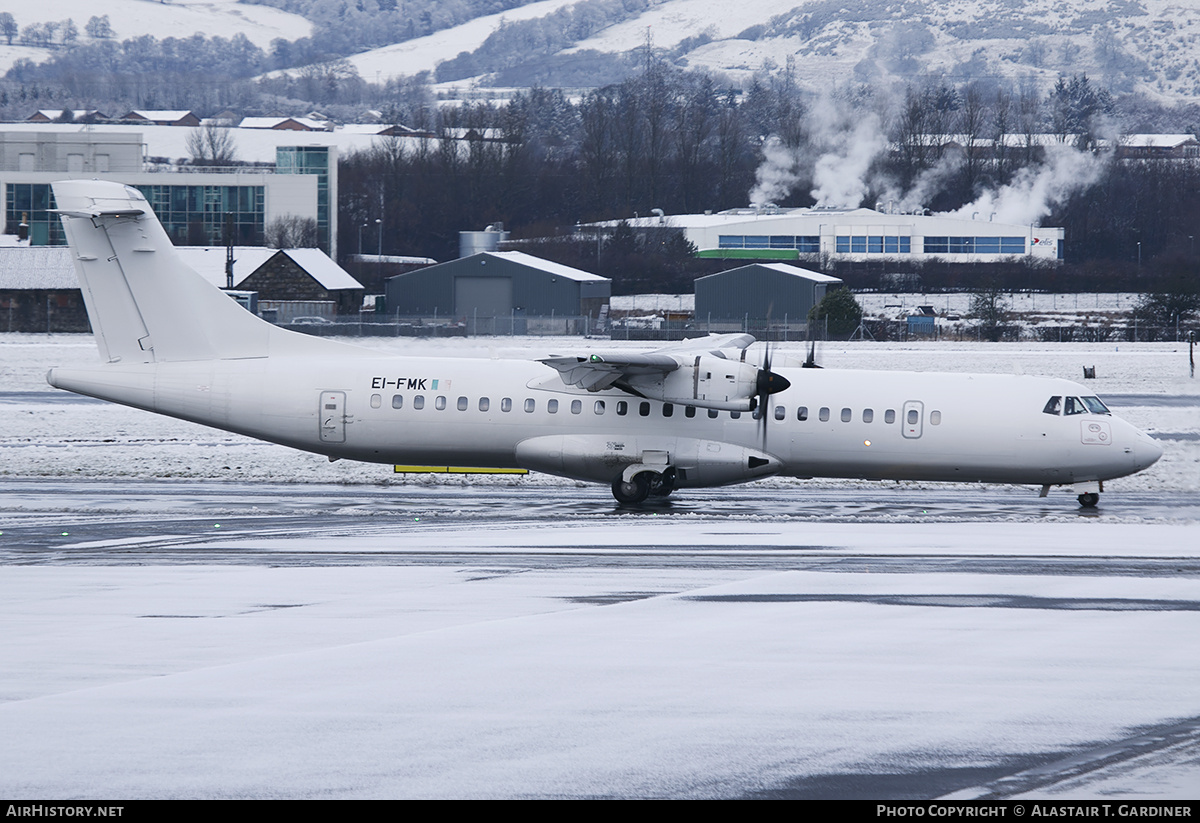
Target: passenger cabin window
{"points": [[913, 417], [889, 416], [419, 401], [462, 404], [824, 414], [484, 403], [530, 405], [599, 407], [713, 413], [668, 410], [576, 406], [376, 401], [846, 415], [868, 415], [440, 403], [736, 415], [802, 413], [780, 412], [1053, 405], [644, 409], [622, 408], [689, 411], [552, 406], [506, 404], [397, 401], [935, 418], [1073, 405]]}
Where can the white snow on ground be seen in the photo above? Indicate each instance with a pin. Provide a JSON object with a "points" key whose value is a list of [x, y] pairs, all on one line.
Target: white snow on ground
{"points": [[424, 53], [179, 18], [457, 682], [40, 437], [671, 22]]}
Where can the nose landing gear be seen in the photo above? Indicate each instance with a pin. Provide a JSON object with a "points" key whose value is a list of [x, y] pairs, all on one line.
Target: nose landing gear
{"points": [[1089, 493]]}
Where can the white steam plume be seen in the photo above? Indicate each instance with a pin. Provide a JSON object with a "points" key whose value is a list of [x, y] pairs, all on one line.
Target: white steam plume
{"points": [[1035, 190], [840, 174], [777, 175], [839, 151], [925, 186]]}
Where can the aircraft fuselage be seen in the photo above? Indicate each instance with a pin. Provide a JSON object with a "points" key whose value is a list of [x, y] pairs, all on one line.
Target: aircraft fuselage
{"points": [[509, 413]]}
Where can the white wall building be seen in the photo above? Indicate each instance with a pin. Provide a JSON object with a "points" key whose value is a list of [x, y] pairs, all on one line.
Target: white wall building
{"points": [[858, 235]]}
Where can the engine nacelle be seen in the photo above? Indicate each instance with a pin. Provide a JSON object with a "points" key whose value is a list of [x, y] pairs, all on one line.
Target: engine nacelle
{"points": [[602, 458], [704, 381]]}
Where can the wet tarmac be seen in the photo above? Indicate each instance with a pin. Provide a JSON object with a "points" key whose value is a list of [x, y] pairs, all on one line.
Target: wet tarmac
{"points": [[208, 535]]}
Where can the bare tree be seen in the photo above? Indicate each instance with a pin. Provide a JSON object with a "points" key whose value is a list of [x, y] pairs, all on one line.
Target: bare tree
{"points": [[292, 232], [211, 145]]}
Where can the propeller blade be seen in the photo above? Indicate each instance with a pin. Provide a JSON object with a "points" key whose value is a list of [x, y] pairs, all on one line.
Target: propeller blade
{"points": [[810, 362], [767, 384]]}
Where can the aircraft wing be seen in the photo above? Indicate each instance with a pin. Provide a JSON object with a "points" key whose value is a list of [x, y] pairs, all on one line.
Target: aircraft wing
{"points": [[602, 370], [596, 372], [711, 344]]}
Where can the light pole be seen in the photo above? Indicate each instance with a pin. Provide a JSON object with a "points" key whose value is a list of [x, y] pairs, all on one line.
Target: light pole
{"points": [[360, 228], [379, 248]]}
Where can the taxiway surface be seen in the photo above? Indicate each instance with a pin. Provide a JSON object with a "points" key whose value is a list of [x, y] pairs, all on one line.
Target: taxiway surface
{"points": [[168, 639]]}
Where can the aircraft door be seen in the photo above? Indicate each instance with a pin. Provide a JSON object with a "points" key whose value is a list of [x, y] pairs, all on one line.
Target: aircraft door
{"points": [[332, 414], [913, 419]]}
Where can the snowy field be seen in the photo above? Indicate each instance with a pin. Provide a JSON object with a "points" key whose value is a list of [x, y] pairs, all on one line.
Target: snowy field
{"points": [[163, 638]]}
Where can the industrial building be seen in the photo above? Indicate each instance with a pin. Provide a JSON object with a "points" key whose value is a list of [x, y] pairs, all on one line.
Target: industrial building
{"points": [[837, 234], [192, 206], [506, 286], [777, 292]]}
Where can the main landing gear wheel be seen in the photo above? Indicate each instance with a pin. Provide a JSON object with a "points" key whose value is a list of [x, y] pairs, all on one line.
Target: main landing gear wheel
{"points": [[1089, 500], [661, 485], [635, 491]]}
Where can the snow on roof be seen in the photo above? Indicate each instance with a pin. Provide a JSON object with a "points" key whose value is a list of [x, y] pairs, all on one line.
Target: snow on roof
{"points": [[1156, 141], [782, 268], [361, 128], [796, 271], [323, 269], [274, 122], [524, 259], [209, 261], [51, 267], [37, 267], [163, 114]]}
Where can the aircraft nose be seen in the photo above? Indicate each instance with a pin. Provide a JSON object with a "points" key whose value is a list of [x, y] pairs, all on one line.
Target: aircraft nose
{"points": [[1146, 450]]}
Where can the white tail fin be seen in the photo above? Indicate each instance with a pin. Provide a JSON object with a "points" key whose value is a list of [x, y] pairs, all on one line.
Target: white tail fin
{"points": [[146, 305]]}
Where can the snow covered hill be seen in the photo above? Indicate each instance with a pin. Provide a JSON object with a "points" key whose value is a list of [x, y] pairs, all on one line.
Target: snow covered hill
{"points": [[1150, 46], [177, 18], [1147, 46]]}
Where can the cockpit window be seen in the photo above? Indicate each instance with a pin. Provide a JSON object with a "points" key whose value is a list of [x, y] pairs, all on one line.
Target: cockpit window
{"points": [[1053, 405], [1073, 405], [1095, 405]]}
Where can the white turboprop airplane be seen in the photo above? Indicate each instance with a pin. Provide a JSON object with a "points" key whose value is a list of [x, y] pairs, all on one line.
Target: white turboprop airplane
{"points": [[690, 415]]}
